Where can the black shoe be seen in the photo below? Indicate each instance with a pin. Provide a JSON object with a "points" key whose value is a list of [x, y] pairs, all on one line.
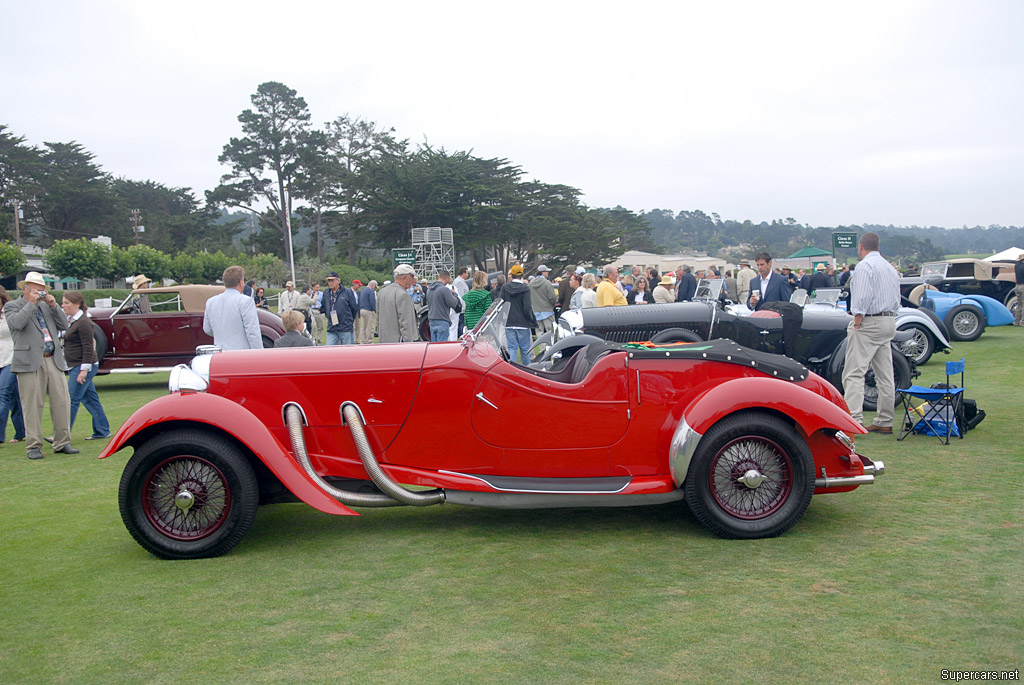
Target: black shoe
{"points": [[49, 439], [66, 449], [35, 453], [98, 437]]}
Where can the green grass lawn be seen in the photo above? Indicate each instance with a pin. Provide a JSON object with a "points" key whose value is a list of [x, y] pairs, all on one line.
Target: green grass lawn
{"points": [[922, 571]]}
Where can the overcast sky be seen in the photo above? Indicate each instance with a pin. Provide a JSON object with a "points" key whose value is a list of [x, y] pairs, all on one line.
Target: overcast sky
{"points": [[832, 113]]}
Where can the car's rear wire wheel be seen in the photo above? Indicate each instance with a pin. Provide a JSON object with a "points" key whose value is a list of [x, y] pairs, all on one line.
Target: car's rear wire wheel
{"points": [[752, 476], [188, 494]]}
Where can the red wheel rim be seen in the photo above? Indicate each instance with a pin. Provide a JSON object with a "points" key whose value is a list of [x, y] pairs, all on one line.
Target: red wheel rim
{"points": [[165, 505], [742, 495]]}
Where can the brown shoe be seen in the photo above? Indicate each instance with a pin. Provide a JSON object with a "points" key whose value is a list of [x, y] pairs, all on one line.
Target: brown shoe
{"points": [[875, 428]]}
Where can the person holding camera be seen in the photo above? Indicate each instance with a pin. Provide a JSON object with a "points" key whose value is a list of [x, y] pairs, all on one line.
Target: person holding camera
{"points": [[34, 320]]}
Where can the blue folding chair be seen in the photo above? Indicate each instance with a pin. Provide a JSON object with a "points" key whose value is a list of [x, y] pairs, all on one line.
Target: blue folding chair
{"points": [[940, 410]]}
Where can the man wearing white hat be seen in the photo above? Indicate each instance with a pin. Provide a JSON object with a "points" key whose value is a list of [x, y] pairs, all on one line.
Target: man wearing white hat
{"points": [[288, 299], [396, 315], [34, 320]]}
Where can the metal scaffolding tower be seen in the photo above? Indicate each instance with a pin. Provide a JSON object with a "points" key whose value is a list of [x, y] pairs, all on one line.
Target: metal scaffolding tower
{"points": [[435, 251]]}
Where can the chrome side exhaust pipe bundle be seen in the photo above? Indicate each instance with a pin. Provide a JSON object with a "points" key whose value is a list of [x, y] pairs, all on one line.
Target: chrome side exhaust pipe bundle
{"points": [[395, 495]]}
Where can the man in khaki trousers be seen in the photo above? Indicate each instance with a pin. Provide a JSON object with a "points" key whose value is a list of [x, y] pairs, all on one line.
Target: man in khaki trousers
{"points": [[34, 320]]}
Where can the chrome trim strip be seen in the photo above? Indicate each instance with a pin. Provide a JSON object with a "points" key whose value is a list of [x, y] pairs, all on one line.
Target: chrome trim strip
{"points": [[341, 411], [284, 412], [684, 444], [548, 492]]}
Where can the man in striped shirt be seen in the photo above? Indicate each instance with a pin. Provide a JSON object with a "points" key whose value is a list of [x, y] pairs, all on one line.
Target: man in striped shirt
{"points": [[874, 299]]}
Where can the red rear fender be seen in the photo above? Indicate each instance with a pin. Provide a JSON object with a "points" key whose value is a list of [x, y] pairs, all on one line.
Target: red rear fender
{"points": [[810, 411], [224, 416]]}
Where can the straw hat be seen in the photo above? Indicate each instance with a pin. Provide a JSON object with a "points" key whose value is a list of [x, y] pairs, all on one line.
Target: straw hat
{"points": [[140, 281], [35, 278], [666, 280]]}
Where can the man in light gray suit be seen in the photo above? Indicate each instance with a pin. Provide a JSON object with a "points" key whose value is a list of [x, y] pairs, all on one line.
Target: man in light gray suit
{"points": [[34, 320], [231, 316], [396, 314]]}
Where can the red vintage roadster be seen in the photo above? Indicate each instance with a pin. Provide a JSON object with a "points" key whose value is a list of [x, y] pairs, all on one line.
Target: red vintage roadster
{"points": [[745, 437]]}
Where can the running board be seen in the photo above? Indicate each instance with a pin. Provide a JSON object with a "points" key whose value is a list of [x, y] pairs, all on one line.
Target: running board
{"points": [[551, 486], [536, 500]]}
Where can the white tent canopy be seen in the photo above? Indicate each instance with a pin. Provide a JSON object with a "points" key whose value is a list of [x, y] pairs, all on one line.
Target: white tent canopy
{"points": [[1007, 255]]}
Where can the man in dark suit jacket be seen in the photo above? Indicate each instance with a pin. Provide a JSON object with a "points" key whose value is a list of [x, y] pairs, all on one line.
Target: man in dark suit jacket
{"points": [[686, 288], [34, 320], [775, 289]]}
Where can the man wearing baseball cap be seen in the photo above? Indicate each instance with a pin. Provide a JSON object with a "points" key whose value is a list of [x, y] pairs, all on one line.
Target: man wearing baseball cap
{"points": [[520, 319], [34, 320], [543, 298], [396, 314], [341, 309], [288, 299]]}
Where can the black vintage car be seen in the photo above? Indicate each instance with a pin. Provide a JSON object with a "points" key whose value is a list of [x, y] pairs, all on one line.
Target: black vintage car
{"points": [[813, 333], [964, 276]]}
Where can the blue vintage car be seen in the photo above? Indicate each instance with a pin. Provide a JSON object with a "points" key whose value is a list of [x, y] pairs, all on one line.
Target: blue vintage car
{"points": [[965, 316]]}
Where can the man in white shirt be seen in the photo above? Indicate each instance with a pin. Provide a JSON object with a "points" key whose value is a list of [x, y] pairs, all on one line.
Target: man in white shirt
{"points": [[874, 299], [288, 299]]}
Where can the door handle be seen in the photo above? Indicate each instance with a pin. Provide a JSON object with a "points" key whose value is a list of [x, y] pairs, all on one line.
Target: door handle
{"points": [[480, 396]]}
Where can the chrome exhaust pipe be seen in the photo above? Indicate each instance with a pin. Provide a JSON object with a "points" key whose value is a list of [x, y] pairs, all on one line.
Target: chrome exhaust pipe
{"points": [[871, 469], [350, 414], [293, 416], [843, 482]]}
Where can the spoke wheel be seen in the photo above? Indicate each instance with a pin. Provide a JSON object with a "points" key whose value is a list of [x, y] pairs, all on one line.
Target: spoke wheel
{"points": [[187, 494], [901, 376], [186, 498], [919, 348], [752, 476]]}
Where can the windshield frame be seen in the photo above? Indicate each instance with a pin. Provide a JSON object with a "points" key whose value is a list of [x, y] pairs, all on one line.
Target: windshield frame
{"points": [[490, 329]]}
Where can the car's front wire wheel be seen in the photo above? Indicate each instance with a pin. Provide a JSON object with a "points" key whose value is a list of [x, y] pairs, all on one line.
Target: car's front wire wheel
{"points": [[752, 476], [188, 494]]}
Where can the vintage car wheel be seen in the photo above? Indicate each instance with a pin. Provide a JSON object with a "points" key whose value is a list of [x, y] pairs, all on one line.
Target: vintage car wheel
{"points": [[100, 340], [901, 377], [752, 476], [918, 349], [188, 494], [1012, 304], [672, 335], [964, 323]]}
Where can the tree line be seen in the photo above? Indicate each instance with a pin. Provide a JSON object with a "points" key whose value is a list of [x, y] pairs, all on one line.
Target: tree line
{"points": [[356, 189]]}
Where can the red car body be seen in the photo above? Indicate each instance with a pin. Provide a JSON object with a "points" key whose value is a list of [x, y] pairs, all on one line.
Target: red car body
{"points": [[129, 340], [622, 428]]}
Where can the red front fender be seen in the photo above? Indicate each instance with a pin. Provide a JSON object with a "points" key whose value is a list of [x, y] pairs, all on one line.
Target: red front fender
{"points": [[810, 411], [225, 416]]}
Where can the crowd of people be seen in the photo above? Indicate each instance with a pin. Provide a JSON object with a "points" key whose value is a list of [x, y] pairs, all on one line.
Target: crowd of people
{"points": [[47, 350]]}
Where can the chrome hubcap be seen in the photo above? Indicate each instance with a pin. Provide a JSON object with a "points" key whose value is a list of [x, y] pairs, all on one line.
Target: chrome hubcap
{"points": [[752, 478], [965, 323], [184, 500]]}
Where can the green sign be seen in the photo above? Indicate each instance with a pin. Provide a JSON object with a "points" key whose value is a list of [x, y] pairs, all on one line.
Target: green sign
{"points": [[404, 256], [842, 241]]}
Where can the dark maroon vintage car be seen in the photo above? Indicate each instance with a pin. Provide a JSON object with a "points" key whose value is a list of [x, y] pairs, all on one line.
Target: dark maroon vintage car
{"points": [[131, 339]]}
